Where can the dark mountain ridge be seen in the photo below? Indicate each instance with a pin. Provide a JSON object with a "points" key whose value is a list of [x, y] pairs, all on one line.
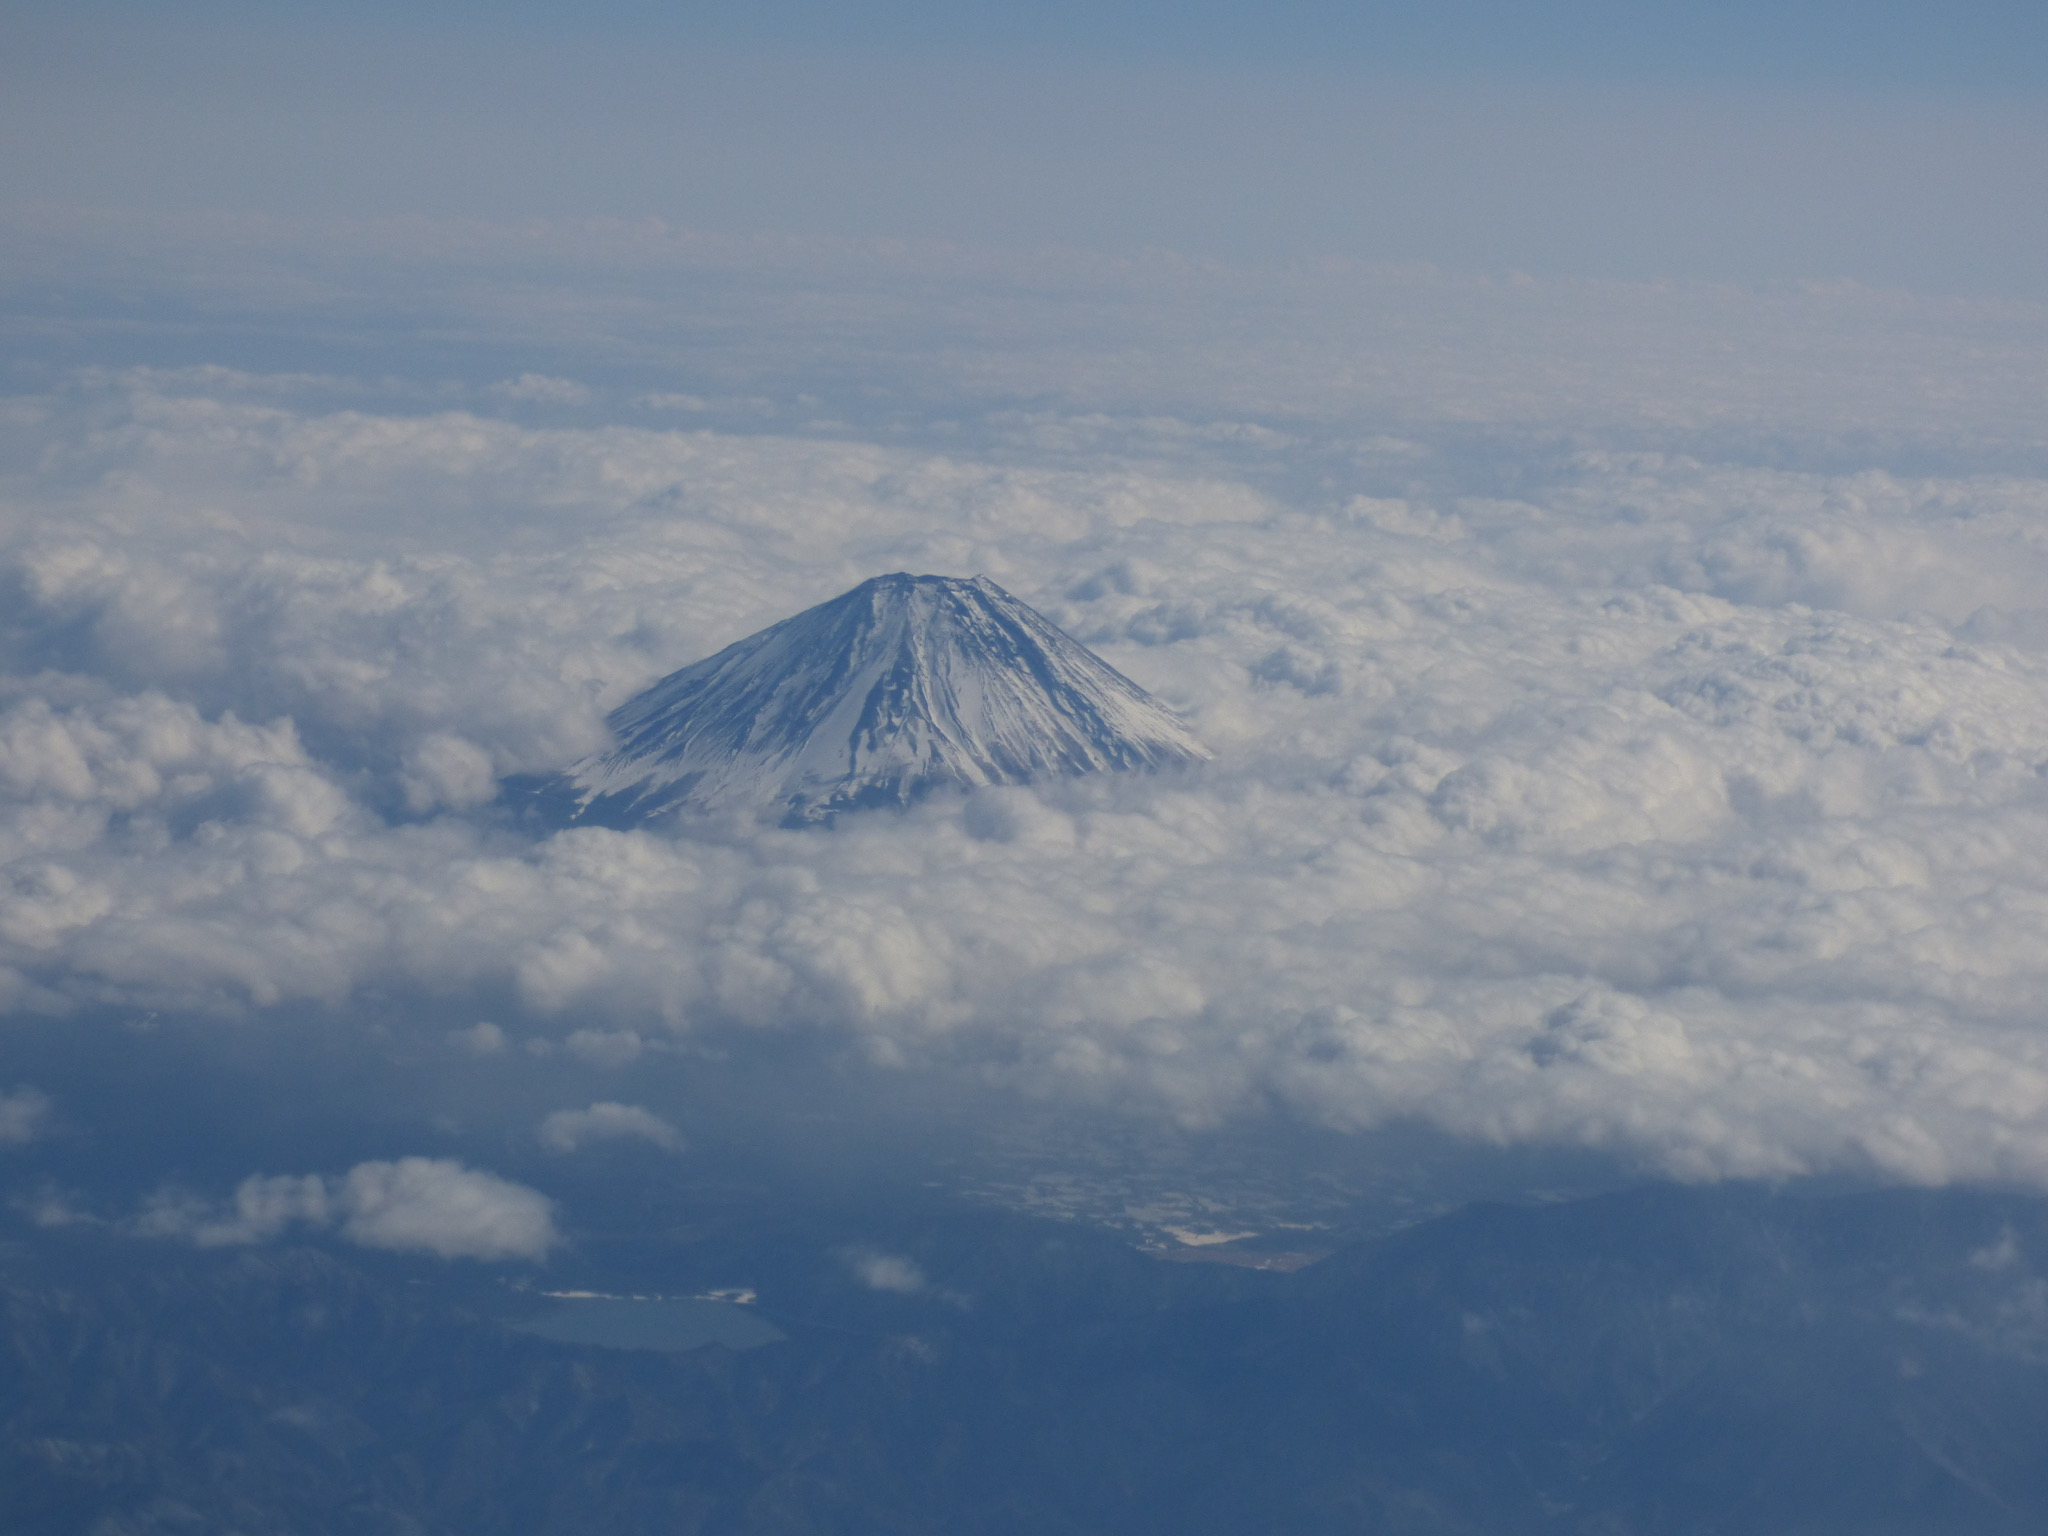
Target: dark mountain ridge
{"points": [[1669, 1362]]}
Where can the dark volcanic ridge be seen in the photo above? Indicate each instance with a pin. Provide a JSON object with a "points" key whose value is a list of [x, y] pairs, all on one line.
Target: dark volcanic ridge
{"points": [[876, 698]]}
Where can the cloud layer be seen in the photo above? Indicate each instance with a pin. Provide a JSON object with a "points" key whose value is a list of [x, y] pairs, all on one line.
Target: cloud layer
{"points": [[1692, 811]]}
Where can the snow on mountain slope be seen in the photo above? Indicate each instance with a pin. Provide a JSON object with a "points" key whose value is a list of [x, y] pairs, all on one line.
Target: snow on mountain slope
{"points": [[874, 698]]}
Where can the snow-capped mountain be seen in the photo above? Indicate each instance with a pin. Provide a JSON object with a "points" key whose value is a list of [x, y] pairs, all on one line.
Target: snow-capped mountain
{"points": [[874, 698]]}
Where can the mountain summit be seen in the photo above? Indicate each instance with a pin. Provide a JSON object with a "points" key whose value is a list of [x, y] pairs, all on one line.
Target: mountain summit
{"points": [[903, 684]]}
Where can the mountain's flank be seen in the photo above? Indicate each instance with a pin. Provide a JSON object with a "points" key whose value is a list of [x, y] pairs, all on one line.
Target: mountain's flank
{"points": [[902, 685]]}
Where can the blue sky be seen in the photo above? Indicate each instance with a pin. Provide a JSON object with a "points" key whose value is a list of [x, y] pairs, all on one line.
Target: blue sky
{"points": [[1895, 41], [1897, 144], [1971, 44]]}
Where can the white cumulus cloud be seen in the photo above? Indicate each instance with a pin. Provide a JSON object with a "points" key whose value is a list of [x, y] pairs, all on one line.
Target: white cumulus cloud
{"points": [[565, 1130], [414, 1205], [880, 1271], [434, 1205]]}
